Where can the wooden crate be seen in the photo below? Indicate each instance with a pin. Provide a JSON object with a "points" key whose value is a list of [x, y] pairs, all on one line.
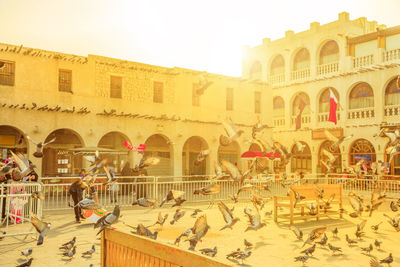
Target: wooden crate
{"points": [[123, 249]]}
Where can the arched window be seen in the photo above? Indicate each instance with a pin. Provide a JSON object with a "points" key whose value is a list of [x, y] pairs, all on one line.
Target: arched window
{"points": [[304, 98], [392, 93], [301, 60], [159, 146], [361, 96], [324, 100], [255, 67], [362, 149], [329, 53], [191, 149], [12, 139], [277, 65], [337, 165], [301, 160], [279, 107]]}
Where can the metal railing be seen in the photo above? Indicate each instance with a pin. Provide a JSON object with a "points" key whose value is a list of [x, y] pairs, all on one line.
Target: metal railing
{"points": [[16, 206], [128, 189]]}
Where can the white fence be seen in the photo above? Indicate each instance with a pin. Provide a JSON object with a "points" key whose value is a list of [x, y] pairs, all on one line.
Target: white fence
{"points": [[16, 206]]}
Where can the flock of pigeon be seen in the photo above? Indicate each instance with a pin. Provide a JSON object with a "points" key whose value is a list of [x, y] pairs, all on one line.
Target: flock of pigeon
{"points": [[200, 228]]}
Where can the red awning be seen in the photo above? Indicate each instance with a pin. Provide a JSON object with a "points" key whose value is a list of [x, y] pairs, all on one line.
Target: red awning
{"points": [[259, 154]]}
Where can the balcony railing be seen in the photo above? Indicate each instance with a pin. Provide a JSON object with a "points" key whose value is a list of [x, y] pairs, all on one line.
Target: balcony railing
{"points": [[300, 74], [363, 61], [305, 119], [277, 78], [362, 113], [279, 122], [392, 110], [391, 55], [324, 116], [328, 68]]}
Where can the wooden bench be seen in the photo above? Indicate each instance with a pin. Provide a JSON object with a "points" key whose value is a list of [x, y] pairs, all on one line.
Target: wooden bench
{"points": [[123, 249], [310, 192]]}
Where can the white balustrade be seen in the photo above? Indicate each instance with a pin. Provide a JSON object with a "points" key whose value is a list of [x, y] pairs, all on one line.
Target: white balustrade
{"points": [[363, 61], [324, 116], [277, 78], [279, 122], [328, 68], [393, 110], [305, 119], [300, 74], [362, 113], [391, 55]]}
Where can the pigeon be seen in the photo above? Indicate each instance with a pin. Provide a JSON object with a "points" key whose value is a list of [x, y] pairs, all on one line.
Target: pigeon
{"points": [[173, 195], [336, 141], [160, 220], [68, 245], [303, 259], [255, 220], [211, 189], [247, 244], [239, 255], [88, 204], [327, 203], [314, 234], [350, 242], [147, 162], [361, 225], [297, 232], [199, 230], [89, 252], [185, 233], [359, 234], [312, 206], [145, 202], [377, 198], [26, 264], [377, 243], [232, 133], [178, 214], [143, 231], [38, 195], [200, 157], [234, 197], [23, 165], [355, 202], [393, 206], [334, 249], [368, 249], [107, 220], [320, 191], [41, 227], [309, 251], [300, 146], [195, 212], [6, 168], [234, 173], [70, 253], [335, 232], [27, 252], [96, 163], [323, 241], [209, 252], [393, 221], [298, 198], [227, 215], [3, 233], [110, 173], [387, 260], [39, 146]]}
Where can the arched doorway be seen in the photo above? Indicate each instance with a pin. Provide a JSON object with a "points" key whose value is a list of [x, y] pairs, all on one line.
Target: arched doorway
{"points": [[191, 149], [57, 159], [11, 139], [395, 163], [362, 149], [159, 146], [119, 156], [230, 153], [301, 160], [327, 145]]}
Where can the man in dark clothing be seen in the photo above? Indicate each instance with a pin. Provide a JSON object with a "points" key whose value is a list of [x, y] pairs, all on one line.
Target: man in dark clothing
{"points": [[76, 192]]}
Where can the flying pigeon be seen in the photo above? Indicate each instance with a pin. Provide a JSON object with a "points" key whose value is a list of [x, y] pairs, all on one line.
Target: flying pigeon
{"points": [[39, 146], [178, 214], [227, 215], [255, 220], [27, 252], [41, 227], [26, 264]]}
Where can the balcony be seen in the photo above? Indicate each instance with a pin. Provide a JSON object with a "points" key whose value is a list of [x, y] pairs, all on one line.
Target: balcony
{"points": [[305, 120], [324, 116], [279, 122], [277, 79], [328, 68], [363, 61], [362, 113], [391, 111], [391, 55], [300, 74]]}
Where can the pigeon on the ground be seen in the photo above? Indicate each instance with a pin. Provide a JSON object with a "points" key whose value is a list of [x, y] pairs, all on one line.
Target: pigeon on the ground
{"points": [[393, 206], [309, 251], [323, 241], [26, 264], [27, 252], [143, 231], [297, 232], [89, 252], [255, 220], [178, 214], [227, 215], [247, 244], [70, 253], [239, 255], [72, 241], [368, 249], [145, 202], [88, 204], [388, 259], [209, 252], [107, 220], [350, 242], [174, 195], [335, 232], [375, 227], [199, 230], [303, 259], [359, 234], [334, 249], [211, 189], [41, 227], [377, 243], [195, 212], [394, 221], [314, 235], [39, 146]]}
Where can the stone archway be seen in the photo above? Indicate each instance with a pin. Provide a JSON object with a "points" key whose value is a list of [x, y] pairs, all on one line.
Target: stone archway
{"points": [[192, 147], [160, 146]]}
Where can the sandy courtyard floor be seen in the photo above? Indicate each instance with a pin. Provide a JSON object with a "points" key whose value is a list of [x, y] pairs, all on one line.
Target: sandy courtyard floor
{"points": [[274, 245]]}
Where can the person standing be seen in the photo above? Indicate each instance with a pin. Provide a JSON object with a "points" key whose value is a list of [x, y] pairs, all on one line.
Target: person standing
{"points": [[76, 193]]}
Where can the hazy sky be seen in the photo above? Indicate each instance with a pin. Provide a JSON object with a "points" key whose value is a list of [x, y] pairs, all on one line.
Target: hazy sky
{"points": [[206, 35]]}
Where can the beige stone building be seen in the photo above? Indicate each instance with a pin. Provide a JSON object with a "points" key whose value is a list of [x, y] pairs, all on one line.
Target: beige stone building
{"points": [[359, 61], [96, 102]]}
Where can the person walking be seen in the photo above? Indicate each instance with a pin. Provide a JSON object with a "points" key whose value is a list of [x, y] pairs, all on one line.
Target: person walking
{"points": [[75, 191]]}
